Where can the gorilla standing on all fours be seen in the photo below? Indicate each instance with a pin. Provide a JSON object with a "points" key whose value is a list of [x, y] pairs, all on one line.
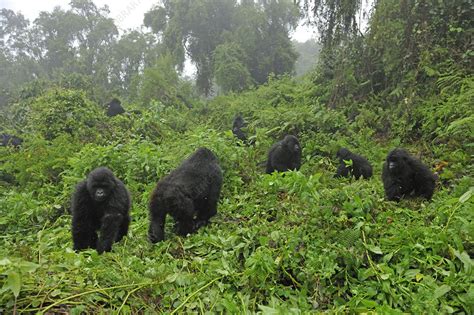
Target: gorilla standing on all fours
{"points": [[404, 176], [237, 126], [360, 166], [189, 194], [115, 108], [284, 155], [100, 203]]}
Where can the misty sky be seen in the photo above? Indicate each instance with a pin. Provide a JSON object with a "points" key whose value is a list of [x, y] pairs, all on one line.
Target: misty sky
{"points": [[126, 13]]}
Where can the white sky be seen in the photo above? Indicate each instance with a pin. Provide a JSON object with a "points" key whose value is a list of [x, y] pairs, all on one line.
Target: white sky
{"points": [[126, 13]]}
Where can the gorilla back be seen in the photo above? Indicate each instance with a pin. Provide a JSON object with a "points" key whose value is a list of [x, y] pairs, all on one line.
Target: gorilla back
{"points": [[100, 203], [115, 108], [360, 166], [189, 194], [284, 155], [404, 176]]}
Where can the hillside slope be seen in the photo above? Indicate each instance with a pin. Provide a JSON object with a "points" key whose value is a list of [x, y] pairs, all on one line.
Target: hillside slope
{"points": [[283, 243]]}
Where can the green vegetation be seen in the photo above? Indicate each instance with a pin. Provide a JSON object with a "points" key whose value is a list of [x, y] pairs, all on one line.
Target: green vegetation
{"points": [[299, 242]]}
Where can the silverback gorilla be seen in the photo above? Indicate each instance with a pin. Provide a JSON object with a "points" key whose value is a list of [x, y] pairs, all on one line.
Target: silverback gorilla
{"points": [[100, 203], [284, 155], [360, 166], [405, 176], [189, 194], [115, 108]]}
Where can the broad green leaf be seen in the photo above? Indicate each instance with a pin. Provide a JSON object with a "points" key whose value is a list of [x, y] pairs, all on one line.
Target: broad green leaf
{"points": [[466, 260], [375, 249], [467, 195], [268, 310], [442, 290], [26, 266], [13, 282]]}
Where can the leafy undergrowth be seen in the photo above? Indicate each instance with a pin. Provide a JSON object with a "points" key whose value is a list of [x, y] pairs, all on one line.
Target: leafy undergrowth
{"points": [[288, 243]]}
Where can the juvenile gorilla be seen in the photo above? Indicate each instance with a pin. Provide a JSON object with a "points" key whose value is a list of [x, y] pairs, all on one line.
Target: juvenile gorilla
{"points": [[284, 155], [360, 166], [189, 194], [100, 203], [115, 108], [404, 176], [237, 126]]}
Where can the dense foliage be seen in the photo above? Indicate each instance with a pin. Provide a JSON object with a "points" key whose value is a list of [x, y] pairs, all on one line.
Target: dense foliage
{"points": [[299, 242]]}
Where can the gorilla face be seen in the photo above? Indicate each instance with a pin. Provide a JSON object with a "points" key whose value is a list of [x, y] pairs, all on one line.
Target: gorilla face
{"points": [[343, 153], [100, 184], [292, 143], [397, 161]]}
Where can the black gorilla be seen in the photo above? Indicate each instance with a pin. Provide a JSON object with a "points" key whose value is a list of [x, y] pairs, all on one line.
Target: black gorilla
{"points": [[284, 155], [189, 194], [404, 176], [360, 166], [115, 108], [7, 139], [101, 202], [237, 126]]}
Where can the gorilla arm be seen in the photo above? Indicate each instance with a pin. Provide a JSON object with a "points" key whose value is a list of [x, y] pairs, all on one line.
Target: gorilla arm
{"points": [[83, 233], [392, 187], [112, 220], [109, 228]]}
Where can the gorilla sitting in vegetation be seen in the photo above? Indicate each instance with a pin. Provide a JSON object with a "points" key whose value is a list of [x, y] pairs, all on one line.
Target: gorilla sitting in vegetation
{"points": [[7, 139], [284, 155], [359, 167], [189, 194], [115, 108], [405, 176], [237, 126], [100, 203]]}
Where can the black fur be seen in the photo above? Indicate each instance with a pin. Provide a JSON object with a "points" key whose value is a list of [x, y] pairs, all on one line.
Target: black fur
{"points": [[360, 166], [7, 139], [237, 126], [100, 203], [115, 108], [189, 194], [404, 176], [284, 155]]}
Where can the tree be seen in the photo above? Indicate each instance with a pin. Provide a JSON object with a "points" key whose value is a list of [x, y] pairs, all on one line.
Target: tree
{"points": [[231, 68], [252, 35]]}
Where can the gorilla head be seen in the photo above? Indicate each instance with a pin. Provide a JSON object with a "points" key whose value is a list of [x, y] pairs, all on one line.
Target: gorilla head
{"points": [[284, 155], [100, 184], [343, 153], [405, 176]]}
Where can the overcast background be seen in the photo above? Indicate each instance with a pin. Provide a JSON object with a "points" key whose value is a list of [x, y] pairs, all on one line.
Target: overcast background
{"points": [[126, 13]]}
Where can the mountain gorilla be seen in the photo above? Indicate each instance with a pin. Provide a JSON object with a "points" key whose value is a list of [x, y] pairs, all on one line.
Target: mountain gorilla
{"points": [[360, 166], [404, 176], [7, 139], [115, 108], [284, 155], [189, 194], [100, 203], [237, 126]]}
